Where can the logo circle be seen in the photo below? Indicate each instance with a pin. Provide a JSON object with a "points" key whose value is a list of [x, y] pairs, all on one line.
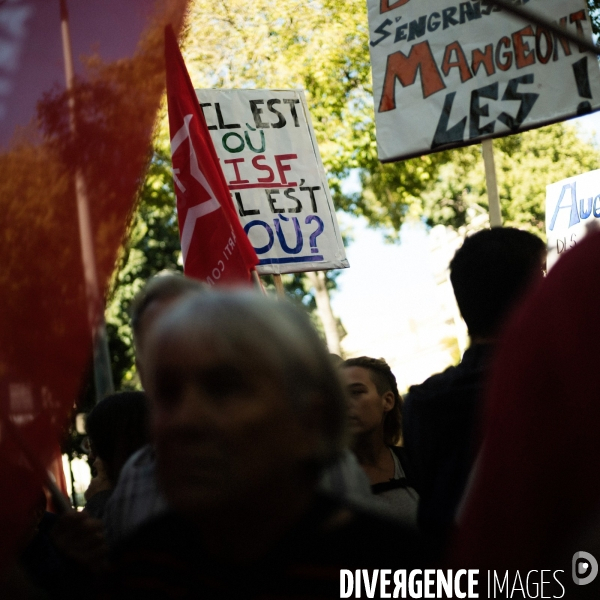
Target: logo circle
{"points": [[584, 564]]}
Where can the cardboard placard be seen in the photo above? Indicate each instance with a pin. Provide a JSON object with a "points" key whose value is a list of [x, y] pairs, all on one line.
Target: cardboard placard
{"points": [[449, 73], [572, 209], [269, 155]]}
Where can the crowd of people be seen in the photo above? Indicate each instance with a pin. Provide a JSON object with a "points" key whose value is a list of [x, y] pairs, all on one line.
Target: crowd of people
{"points": [[257, 465]]}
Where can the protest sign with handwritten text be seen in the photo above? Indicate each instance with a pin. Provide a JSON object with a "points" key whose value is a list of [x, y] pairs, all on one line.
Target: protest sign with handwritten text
{"points": [[449, 73], [269, 155], [572, 209]]}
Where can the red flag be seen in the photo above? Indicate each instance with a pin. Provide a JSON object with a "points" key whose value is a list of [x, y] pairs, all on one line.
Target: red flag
{"points": [[215, 248]]}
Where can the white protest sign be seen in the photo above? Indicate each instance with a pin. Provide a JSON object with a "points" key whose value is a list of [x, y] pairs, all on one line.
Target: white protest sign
{"points": [[449, 73], [269, 155], [572, 209]]}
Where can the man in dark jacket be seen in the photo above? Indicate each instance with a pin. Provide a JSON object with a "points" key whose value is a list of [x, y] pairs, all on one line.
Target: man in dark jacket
{"points": [[489, 275]]}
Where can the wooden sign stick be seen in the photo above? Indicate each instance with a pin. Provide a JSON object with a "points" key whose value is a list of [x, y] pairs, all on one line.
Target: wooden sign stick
{"points": [[257, 282], [491, 183], [279, 285]]}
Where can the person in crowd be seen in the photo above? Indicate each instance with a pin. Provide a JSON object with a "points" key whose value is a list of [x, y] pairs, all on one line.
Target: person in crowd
{"points": [[375, 423], [82, 537], [345, 479], [534, 502], [247, 410], [490, 274], [42, 569], [136, 496], [116, 428], [49, 572]]}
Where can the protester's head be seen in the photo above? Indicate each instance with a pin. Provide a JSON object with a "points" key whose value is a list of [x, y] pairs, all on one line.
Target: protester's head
{"points": [[158, 293], [117, 426], [374, 401], [244, 398], [491, 272]]}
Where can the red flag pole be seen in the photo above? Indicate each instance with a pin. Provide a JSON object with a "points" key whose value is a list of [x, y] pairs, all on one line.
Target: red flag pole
{"points": [[102, 370]]}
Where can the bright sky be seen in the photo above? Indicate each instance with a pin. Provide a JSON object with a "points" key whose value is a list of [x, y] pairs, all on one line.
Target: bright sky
{"points": [[390, 287], [385, 282]]}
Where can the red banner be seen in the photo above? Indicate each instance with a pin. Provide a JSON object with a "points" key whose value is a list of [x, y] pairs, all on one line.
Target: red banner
{"points": [[64, 155], [214, 246]]}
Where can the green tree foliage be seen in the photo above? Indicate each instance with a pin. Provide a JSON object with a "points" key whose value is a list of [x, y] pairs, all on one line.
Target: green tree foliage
{"points": [[594, 8], [525, 164], [322, 47], [153, 245]]}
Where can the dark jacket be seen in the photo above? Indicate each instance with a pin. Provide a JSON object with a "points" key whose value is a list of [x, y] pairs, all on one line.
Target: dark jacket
{"points": [[441, 419], [166, 558]]}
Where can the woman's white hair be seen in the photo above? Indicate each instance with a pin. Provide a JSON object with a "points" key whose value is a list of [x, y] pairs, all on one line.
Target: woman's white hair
{"points": [[278, 337]]}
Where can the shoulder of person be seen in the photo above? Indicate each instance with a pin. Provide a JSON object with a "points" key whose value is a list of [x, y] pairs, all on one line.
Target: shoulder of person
{"points": [[142, 459], [432, 386], [464, 378]]}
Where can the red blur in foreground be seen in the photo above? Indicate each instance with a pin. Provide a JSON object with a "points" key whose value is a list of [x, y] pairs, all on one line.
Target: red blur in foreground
{"points": [[104, 136], [535, 499], [214, 246]]}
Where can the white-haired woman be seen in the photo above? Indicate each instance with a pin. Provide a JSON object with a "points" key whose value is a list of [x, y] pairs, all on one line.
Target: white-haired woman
{"points": [[246, 411]]}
